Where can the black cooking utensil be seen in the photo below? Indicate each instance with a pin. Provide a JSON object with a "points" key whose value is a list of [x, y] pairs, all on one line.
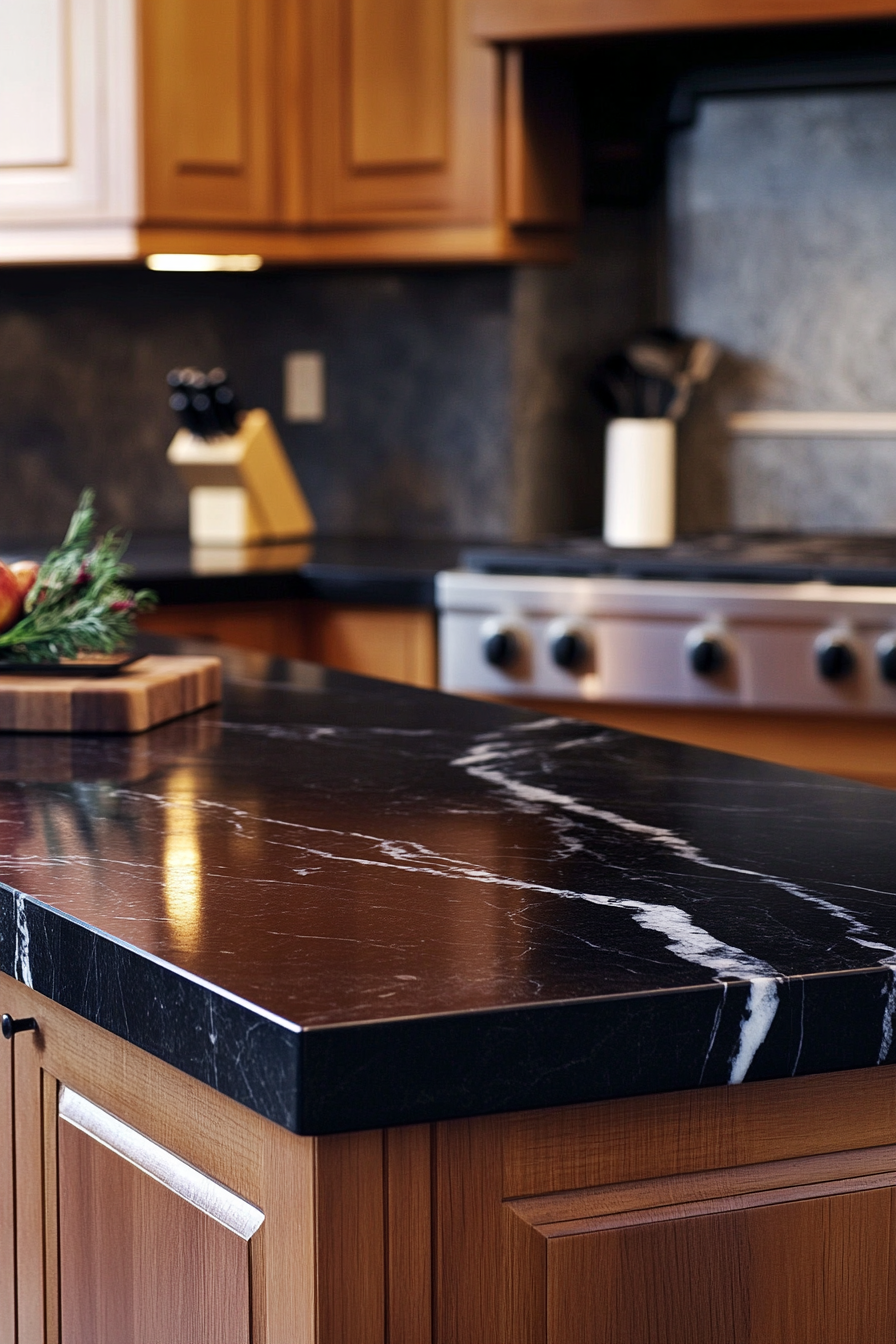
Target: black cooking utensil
{"points": [[681, 361], [615, 384]]}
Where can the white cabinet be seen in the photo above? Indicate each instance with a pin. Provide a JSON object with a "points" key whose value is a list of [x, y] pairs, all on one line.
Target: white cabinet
{"points": [[68, 130]]}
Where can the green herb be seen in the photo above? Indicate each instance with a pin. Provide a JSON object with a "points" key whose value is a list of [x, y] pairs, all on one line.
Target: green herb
{"points": [[79, 602]]}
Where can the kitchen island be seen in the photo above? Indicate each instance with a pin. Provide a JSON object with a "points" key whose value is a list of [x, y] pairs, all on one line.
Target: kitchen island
{"points": [[366, 1013]]}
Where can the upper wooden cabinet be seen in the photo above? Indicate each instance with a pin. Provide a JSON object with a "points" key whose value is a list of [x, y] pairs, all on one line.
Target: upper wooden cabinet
{"points": [[300, 130], [344, 130]]}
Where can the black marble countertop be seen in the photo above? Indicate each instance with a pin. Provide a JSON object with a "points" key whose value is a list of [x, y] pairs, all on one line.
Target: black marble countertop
{"points": [[347, 903], [353, 570]]}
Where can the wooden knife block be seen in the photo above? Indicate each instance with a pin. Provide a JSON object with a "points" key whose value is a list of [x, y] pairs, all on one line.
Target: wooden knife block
{"points": [[243, 489]]}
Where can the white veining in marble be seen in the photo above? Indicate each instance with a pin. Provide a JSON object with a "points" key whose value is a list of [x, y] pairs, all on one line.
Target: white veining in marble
{"points": [[491, 760], [23, 942], [755, 1025]]}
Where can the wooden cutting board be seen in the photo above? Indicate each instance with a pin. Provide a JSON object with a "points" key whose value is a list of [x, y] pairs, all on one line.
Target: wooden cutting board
{"points": [[150, 691]]}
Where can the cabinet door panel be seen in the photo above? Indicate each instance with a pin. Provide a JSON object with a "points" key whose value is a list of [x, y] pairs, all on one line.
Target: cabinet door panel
{"points": [[139, 1261], [208, 102], [68, 123], [404, 124], [32, 84], [815, 1271], [398, 85]]}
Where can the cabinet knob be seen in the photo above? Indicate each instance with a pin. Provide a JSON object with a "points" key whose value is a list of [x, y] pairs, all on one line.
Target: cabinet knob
{"points": [[11, 1026]]}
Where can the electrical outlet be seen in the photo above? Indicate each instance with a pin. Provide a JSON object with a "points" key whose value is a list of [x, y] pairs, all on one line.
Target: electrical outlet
{"points": [[304, 387]]}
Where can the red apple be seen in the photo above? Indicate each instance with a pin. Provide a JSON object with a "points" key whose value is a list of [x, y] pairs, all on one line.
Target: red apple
{"points": [[11, 598], [26, 571]]}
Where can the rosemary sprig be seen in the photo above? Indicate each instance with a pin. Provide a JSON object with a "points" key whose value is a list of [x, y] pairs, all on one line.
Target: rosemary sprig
{"points": [[79, 602]]}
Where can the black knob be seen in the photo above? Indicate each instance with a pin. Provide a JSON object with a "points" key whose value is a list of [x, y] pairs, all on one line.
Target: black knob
{"points": [[11, 1026], [708, 656], [501, 649], [835, 659], [570, 650], [886, 661]]}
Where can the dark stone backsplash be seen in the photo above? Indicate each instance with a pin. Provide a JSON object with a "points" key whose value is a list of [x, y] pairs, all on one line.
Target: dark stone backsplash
{"points": [[417, 436], [781, 214], [456, 400]]}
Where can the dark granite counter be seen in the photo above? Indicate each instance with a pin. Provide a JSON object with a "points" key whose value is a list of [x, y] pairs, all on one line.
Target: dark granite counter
{"points": [[348, 904], [353, 570]]}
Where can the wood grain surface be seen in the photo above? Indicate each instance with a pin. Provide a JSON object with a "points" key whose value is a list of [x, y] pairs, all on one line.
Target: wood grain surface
{"points": [[351, 1290], [208, 70], [268, 1166], [519, 20], [150, 691], [409, 1234], [362, 246], [137, 1262]]}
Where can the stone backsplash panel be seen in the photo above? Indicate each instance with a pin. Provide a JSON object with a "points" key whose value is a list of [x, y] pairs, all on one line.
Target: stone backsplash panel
{"points": [[782, 245], [417, 436]]}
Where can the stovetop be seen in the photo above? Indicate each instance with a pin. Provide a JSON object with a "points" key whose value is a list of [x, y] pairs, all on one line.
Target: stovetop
{"points": [[864, 560]]}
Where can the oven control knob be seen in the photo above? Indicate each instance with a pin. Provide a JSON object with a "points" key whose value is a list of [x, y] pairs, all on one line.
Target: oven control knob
{"points": [[570, 650], [707, 655], [570, 645], [834, 657], [501, 646], [886, 657]]}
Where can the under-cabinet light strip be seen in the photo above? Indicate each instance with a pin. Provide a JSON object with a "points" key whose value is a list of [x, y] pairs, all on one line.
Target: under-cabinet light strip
{"points": [[204, 261]]}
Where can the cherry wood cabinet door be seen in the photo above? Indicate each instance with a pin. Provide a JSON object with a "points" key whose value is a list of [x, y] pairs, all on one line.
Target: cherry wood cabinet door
{"points": [[149, 1248], [814, 1271], [149, 1208], [209, 102], [753, 1215], [403, 114]]}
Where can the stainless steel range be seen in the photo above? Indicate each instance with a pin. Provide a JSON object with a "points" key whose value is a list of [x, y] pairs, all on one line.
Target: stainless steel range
{"points": [[769, 622]]}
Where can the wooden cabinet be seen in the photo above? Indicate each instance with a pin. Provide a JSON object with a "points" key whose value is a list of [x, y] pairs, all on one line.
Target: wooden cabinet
{"points": [[751, 1214], [68, 129], [343, 130], [148, 1207], [397, 643]]}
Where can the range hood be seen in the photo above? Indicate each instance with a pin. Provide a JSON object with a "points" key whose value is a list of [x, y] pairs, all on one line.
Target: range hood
{"points": [[545, 20]]}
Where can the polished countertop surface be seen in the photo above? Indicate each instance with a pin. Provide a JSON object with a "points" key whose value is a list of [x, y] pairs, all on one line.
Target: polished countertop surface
{"points": [[381, 571], [347, 903]]}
